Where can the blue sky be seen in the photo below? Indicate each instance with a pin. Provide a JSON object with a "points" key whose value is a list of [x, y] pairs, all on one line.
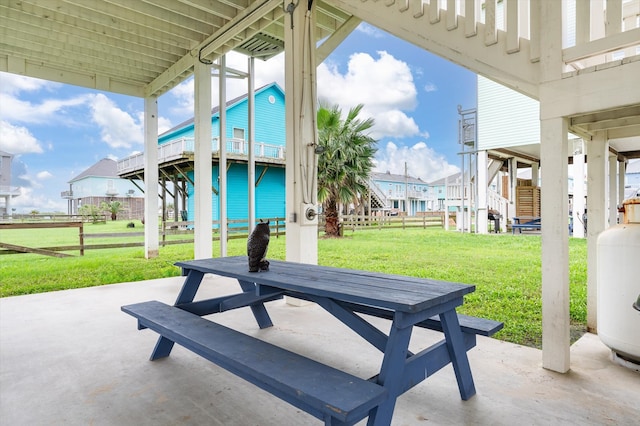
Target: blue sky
{"points": [[57, 131]]}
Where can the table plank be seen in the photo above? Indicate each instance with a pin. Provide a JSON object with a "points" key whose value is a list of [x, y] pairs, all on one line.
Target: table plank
{"points": [[397, 292]]}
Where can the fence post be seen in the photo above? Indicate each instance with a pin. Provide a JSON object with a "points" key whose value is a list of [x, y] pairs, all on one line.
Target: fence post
{"points": [[81, 236]]}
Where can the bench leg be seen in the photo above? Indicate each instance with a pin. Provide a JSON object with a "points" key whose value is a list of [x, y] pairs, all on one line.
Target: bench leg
{"points": [[458, 353], [187, 293], [259, 311], [162, 349]]}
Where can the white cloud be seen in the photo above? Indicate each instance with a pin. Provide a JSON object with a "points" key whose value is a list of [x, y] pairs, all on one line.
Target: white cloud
{"points": [[386, 93], [422, 161], [393, 122], [30, 200], [369, 30], [14, 83], [43, 175], [270, 71], [181, 99], [17, 139], [118, 129], [18, 110], [430, 87], [15, 109]]}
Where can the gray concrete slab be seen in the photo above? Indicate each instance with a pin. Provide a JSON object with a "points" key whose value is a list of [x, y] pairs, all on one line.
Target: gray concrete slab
{"points": [[73, 358]]}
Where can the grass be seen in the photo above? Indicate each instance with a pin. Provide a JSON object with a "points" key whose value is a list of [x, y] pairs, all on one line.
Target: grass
{"points": [[505, 268]]}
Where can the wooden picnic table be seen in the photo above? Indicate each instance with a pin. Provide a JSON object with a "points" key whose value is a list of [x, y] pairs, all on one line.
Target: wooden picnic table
{"points": [[325, 392], [525, 222]]}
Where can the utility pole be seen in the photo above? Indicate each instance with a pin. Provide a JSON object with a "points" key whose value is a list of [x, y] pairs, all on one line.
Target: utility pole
{"points": [[406, 189]]}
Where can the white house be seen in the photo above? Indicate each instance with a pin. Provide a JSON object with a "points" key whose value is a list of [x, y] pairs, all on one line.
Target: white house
{"points": [[7, 192], [101, 183]]}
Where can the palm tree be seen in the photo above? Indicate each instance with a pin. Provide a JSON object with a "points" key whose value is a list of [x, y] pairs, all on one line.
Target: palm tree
{"points": [[345, 162], [113, 207]]}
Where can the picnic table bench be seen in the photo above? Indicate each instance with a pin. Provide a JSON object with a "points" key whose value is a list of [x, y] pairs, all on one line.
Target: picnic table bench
{"points": [[521, 223], [329, 394]]}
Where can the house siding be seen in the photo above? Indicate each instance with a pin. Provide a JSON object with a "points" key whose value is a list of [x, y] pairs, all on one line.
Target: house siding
{"points": [[269, 119], [505, 117], [270, 194]]}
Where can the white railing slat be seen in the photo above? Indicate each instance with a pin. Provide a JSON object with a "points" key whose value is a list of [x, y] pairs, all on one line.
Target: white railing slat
{"points": [[452, 14], [471, 16], [513, 25], [490, 23]]}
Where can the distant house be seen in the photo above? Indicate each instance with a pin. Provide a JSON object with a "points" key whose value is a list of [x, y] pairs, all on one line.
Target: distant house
{"points": [[7, 192], [402, 194], [176, 163], [101, 183], [632, 184]]}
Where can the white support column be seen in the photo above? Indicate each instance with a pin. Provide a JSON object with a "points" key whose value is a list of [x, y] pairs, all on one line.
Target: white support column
{"points": [[151, 175], [535, 174], [597, 155], [555, 254], [301, 133], [613, 190], [446, 203], [513, 182], [251, 138], [222, 166], [554, 151], [203, 214], [481, 202], [622, 171], [579, 204]]}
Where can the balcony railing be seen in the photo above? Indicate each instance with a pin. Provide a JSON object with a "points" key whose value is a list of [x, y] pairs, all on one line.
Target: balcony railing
{"points": [[9, 190], [177, 148]]}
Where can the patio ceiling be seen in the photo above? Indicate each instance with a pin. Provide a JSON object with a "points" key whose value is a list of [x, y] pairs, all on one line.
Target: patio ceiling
{"points": [[139, 48]]}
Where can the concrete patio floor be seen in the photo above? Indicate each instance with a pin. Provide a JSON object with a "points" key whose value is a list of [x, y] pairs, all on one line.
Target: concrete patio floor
{"points": [[73, 358]]}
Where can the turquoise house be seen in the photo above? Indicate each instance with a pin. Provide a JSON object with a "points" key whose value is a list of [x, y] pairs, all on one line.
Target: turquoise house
{"points": [[175, 158]]}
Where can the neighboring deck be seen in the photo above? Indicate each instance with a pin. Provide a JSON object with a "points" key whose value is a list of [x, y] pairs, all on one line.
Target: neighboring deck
{"points": [[83, 361]]}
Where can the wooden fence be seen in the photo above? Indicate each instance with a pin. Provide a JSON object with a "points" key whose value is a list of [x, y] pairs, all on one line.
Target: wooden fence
{"points": [[54, 217], [363, 222], [168, 231], [47, 251], [181, 232]]}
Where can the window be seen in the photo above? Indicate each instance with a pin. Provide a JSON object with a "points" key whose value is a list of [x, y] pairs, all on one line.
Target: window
{"points": [[238, 133]]}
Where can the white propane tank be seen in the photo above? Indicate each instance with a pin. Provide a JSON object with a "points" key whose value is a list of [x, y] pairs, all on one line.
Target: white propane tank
{"points": [[618, 251]]}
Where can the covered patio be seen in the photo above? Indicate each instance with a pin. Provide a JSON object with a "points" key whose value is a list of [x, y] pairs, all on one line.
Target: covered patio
{"points": [[73, 358]]}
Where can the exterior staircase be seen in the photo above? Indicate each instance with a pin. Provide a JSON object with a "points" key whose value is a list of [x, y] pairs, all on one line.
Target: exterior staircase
{"points": [[379, 201]]}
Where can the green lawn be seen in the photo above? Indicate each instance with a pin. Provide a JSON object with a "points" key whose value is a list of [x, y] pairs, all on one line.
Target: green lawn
{"points": [[505, 268]]}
